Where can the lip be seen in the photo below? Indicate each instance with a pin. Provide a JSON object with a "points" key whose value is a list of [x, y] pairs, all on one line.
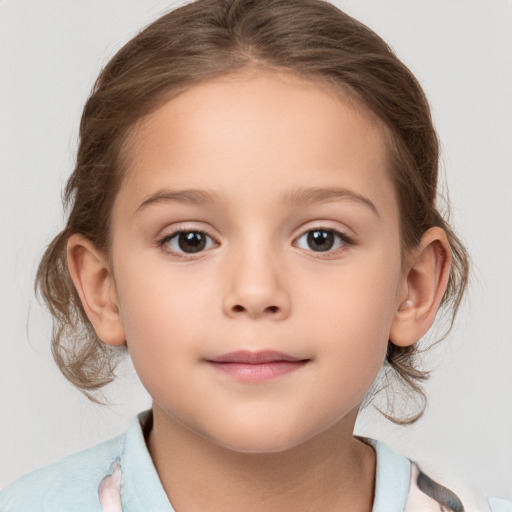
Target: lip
{"points": [[259, 357], [247, 366]]}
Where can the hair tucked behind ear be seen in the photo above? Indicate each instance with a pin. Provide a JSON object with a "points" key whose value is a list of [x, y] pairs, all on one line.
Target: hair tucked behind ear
{"points": [[206, 39]]}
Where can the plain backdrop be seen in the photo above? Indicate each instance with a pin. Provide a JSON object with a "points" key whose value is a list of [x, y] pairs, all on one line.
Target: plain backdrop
{"points": [[461, 51]]}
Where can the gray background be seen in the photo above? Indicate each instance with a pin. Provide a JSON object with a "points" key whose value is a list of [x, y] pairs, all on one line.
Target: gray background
{"points": [[51, 51]]}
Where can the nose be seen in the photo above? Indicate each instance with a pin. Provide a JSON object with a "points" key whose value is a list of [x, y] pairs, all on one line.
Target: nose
{"points": [[256, 286]]}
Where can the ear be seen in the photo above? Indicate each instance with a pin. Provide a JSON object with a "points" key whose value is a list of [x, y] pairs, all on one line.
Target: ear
{"points": [[426, 277], [93, 279]]}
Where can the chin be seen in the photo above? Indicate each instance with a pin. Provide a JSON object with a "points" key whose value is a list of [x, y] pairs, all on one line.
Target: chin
{"points": [[257, 446], [259, 439]]}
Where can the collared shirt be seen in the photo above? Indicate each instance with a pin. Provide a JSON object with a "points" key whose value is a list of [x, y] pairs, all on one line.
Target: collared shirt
{"points": [[119, 476]]}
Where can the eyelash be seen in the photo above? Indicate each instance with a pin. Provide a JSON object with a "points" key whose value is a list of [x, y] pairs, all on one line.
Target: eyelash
{"points": [[167, 238], [345, 239]]}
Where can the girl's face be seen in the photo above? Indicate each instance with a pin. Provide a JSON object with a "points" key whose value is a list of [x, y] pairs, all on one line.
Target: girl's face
{"points": [[256, 257]]}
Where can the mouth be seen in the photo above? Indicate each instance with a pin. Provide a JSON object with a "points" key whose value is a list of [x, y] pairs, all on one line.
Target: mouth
{"points": [[247, 366]]}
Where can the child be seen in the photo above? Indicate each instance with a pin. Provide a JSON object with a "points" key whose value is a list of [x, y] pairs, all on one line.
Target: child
{"points": [[253, 217]]}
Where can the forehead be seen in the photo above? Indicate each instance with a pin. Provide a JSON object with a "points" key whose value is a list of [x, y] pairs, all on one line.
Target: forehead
{"points": [[240, 132]]}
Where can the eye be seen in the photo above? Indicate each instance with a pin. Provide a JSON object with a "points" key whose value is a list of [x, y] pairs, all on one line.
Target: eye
{"points": [[323, 240], [188, 242]]}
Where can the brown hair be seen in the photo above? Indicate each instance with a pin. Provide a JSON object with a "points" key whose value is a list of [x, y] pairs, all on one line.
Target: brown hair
{"points": [[206, 39]]}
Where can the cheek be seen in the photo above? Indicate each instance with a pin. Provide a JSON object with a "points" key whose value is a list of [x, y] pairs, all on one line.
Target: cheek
{"points": [[355, 318], [161, 315]]}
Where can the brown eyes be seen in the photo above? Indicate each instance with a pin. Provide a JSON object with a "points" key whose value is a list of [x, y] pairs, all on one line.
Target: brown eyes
{"points": [[188, 242], [322, 240], [195, 241], [192, 241]]}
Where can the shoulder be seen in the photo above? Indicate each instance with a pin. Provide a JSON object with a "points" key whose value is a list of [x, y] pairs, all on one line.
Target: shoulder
{"points": [[402, 485], [70, 484], [427, 494]]}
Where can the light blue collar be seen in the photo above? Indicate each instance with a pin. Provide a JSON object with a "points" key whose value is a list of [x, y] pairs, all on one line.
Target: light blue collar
{"points": [[392, 480], [141, 488]]}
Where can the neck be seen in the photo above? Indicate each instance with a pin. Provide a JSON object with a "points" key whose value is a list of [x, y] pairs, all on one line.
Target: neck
{"points": [[332, 471]]}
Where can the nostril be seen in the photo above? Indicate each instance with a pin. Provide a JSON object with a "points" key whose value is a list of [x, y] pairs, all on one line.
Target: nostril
{"points": [[256, 310]]}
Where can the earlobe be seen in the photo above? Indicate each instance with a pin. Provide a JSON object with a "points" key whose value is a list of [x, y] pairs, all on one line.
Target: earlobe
{"points": [[425, 281], [92, 276]]}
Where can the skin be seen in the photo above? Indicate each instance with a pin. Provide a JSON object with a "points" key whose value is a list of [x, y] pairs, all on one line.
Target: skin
{"points": [[252, 139]]}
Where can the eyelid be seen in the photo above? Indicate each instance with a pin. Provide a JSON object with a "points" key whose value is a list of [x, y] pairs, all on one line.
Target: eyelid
{"points": [[324, 225], [163, 239], [346, 240], [187, 226]]}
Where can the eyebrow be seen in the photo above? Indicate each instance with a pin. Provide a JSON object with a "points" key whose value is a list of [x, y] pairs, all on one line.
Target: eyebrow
{"points": [[298, 196], [188, 196], [309, 196]]}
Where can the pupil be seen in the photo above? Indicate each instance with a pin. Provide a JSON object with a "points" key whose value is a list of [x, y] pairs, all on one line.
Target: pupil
{"points": [[192, 241], [320, 240]]}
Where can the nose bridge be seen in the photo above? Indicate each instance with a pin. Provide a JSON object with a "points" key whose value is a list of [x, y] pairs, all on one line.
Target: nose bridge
{"points": [[256, 284]]}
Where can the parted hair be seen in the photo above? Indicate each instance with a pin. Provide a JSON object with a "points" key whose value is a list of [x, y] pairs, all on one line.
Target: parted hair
{"points": [[201, 41]]}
